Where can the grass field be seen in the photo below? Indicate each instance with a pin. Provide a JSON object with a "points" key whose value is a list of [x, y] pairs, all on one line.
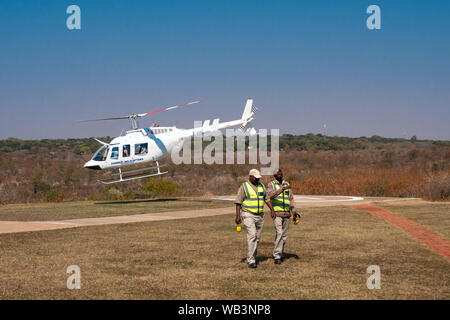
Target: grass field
{"points": [[327, 257], [91, 209]]}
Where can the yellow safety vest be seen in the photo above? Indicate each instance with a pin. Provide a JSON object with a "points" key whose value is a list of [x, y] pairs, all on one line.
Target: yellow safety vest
{"points": [[254, 202], [281, 202]]}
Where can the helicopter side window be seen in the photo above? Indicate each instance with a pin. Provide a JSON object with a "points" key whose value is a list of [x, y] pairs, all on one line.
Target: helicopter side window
{"points": [[141, 148], [115, 153], [101, 154], [126, 151]]}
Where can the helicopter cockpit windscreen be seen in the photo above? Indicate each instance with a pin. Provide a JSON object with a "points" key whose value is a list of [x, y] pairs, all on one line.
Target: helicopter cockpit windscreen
{"points": [[101, 154]]}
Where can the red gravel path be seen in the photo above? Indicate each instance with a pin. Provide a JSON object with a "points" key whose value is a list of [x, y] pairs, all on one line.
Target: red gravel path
{"points": [[419, 232]]}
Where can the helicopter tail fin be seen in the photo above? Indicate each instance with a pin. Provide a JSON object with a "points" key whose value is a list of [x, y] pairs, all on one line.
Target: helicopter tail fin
{"points": [[248, 109]]}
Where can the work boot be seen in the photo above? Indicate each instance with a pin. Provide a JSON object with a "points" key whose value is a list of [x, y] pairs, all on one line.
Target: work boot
{"points": [[252, 265], [277, 261]]}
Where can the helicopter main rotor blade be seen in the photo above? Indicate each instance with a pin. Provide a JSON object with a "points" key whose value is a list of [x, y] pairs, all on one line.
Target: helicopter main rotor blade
{"points": [[116, 118], [134, 116], [168, 108]]}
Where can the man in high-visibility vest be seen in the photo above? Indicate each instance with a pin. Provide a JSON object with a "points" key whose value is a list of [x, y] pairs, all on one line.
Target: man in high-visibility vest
{"points": [[250, 209], [280, 194]]}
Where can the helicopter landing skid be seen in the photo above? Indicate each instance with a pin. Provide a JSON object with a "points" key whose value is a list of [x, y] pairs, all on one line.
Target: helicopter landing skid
{"points": [[123, 176]]}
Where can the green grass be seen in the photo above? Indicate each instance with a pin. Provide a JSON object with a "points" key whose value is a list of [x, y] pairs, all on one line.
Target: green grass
{"points": [[90, 209], [201, 258]]}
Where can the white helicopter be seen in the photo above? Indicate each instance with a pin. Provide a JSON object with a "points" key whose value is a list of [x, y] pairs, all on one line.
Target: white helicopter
{"points": [[143, 145]]}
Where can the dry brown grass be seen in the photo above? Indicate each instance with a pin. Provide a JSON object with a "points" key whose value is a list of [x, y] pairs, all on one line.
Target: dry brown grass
{"points": [[328, 253]]}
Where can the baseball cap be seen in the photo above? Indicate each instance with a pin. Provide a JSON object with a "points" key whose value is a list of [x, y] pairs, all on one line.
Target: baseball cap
{"points": [[255, 173]]}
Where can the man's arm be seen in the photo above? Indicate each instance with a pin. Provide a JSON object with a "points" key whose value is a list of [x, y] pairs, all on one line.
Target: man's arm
{"points": [[238, 202], [272, 212], [269, 204], [271, 193], [238, 219], [291, 201]]}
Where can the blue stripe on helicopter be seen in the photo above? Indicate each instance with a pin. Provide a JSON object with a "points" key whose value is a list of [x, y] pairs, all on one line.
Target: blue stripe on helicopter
{"points": [[127, 161], [158, 141]]}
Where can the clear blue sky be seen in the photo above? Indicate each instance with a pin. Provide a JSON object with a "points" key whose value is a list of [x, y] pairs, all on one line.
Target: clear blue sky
{"points": [[302, 61]]}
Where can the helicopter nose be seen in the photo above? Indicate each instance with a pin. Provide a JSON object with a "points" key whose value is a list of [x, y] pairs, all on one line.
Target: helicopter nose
{"points": [[92, 165]]}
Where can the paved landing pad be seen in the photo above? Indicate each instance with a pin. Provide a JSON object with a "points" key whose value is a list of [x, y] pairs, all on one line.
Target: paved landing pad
{"points": [[319, 201], [26, 226]]}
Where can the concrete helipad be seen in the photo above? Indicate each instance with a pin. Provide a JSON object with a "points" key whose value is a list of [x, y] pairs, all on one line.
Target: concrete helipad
{"points": [[320, 201], [300, 200], [24, 226]]}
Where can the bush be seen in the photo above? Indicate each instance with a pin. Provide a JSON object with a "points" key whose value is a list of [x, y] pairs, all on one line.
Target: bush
{"points": [[376, 189], [114, 194], [160, 187], [54, 196], [6, 149], [81, 149], [39, 186], [413, 154], [440, 187]]}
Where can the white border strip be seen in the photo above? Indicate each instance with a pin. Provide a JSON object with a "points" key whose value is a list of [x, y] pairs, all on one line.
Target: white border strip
{"points": [[300, 198]]}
